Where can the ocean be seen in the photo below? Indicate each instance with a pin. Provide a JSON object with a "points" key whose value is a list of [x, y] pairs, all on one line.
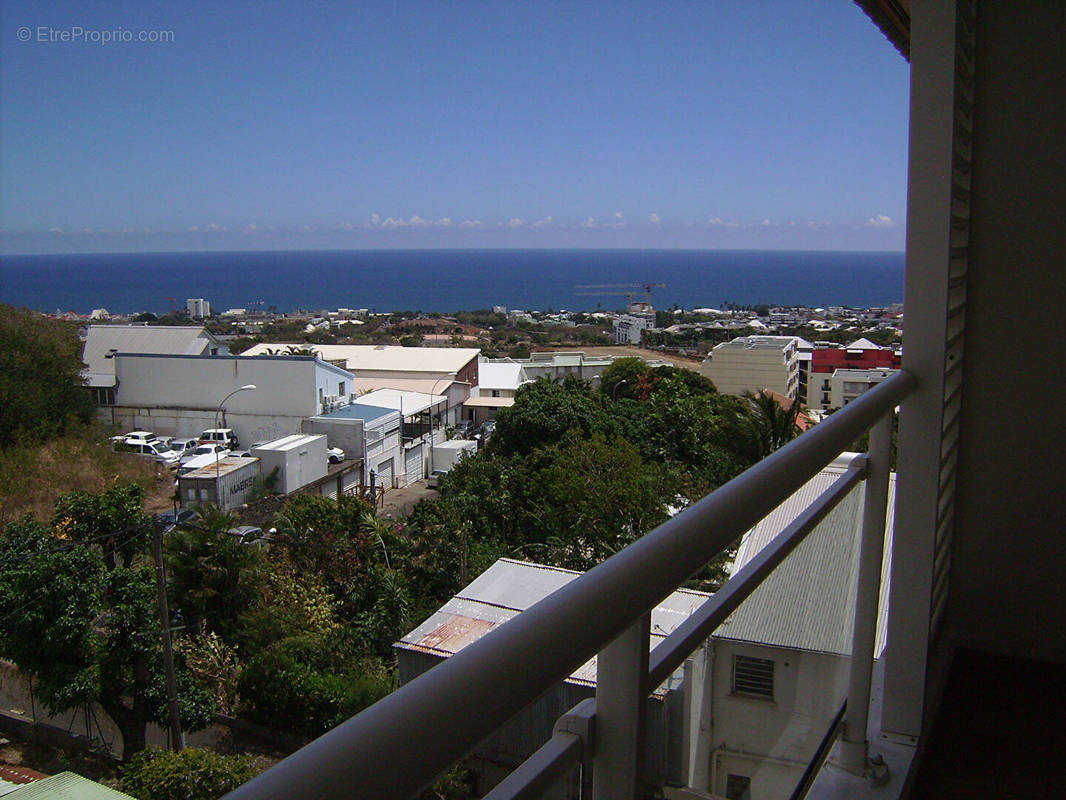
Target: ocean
{"points": [[447, 280]]}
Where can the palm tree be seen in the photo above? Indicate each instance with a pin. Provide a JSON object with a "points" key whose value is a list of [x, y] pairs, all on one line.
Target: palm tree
{"points": [[758, 425]]}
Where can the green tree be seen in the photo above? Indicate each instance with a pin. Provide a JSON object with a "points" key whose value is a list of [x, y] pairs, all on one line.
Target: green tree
{"points": [[41, 387], [545, 411], [84, 628], [212, 576], [758, 425]]}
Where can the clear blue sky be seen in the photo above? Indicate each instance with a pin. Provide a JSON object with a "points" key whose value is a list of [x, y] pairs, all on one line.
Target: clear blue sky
{"points": [[265, 125]]}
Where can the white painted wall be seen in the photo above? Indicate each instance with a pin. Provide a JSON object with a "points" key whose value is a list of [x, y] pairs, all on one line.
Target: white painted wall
{"points": [[770, 741]]}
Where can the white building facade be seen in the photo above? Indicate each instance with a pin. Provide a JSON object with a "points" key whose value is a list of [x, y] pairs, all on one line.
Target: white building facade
{"points": [[180, 395]]}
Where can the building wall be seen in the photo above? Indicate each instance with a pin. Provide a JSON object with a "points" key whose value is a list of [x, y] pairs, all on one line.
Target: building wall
{"points": [[178, 396], [736, 369], [1009, 557], [772, 741], [847, 384]]}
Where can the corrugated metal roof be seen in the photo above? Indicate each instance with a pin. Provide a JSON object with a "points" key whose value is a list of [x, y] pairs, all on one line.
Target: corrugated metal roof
{"points": [[386, 357], [807, 602], [158, 339], [508, 588], [66, 786]]}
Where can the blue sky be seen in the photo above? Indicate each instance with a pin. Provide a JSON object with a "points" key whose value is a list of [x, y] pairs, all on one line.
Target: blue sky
{"points": [[449, 124]]}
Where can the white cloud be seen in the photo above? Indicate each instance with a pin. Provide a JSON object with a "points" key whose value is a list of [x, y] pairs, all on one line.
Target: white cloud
{"points": [[654, 219], [589, 222], [389, 222], [470, 223], [766, 223], [249, 228], [417, 222], [541, 223], [880, 221], [617, 214], [445, 222], [375, 220], [515, 222]]}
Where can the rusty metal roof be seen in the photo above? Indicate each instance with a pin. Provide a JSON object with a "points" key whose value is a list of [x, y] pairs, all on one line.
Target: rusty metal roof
{"points": [[508, 588]]}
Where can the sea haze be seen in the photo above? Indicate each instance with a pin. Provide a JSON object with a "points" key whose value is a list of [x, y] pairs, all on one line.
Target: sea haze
{"points": [[447, 280]]}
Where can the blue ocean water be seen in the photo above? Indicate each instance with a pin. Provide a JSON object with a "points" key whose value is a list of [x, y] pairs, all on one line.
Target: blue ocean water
{"points": [[446, 280]]}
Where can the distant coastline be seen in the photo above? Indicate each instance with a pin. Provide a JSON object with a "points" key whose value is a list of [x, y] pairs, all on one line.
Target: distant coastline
{"points": [[447, 280]]}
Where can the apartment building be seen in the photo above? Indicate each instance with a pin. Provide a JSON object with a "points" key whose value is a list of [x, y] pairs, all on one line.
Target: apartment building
{"points": [[754, 363]]}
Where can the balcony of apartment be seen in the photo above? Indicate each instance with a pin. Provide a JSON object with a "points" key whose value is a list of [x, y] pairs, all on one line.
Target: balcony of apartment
{"points": [[966, 699]]}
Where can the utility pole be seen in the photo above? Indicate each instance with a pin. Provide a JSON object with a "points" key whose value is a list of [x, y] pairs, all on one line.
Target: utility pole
{"points": [[177, 738]]}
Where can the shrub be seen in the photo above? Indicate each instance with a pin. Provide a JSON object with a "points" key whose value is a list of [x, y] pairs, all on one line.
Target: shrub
{"points": [[192, 774], [309, 684]]}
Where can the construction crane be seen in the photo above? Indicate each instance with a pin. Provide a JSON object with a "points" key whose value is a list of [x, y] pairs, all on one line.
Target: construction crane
{"points": [[626, 290], [171, 299]]}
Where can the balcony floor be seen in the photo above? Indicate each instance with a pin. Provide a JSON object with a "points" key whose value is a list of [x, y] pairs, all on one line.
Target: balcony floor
{"points": [[1000, 731]]}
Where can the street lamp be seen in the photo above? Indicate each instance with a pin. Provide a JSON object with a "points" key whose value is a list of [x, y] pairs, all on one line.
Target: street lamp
{"points": [[614, 389], [218, 477]]}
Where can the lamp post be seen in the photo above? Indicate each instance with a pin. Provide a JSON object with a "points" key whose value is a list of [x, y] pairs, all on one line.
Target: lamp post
{"points": [[218, 412], [614, 389]]}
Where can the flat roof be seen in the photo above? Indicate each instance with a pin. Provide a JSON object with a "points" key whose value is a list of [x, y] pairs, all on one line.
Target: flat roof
{"points": [[290, 441], [359, 411], [226, 465], [387, 357], [406, 403]]}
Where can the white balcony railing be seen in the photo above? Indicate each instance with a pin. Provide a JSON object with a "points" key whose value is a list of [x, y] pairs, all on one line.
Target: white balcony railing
{"points": [[399, 745]]}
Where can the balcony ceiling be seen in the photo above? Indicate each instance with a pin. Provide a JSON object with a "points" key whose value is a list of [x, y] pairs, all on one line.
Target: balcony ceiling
{"points": [[893, 17]]}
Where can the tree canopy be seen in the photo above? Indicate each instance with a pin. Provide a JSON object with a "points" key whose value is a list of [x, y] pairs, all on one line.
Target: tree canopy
{"points": [[41, 388]]}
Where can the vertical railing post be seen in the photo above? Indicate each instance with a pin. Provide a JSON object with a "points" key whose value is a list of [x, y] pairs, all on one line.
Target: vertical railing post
{"points": [[621, 699], [852, 753]]}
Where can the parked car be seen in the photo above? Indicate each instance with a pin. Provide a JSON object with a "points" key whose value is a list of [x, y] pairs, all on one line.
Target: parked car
{"points": [[248, 534], [125, 440], [336, 455], [155, 451], [223, 436], [183, 516], [434, 478], [463, 428], [204, 450], [184, 446]]}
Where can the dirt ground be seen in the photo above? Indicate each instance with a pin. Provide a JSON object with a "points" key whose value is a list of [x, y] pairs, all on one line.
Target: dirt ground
{"points": [[399, 502]]}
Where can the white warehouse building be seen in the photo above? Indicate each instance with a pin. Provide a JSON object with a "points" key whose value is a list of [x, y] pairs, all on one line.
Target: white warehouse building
{"points": [[177, 395]]}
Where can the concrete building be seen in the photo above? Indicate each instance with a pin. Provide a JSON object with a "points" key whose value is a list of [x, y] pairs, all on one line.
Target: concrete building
{"points": [[102, 342], [179, 395], [627, 328], [198, 308], [498, 380], [368, 433], [861, 354], [847, 384], [448, 371], [753, 363]]}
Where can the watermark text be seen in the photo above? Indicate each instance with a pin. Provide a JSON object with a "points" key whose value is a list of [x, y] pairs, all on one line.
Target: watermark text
{"points": [[76, 34]]}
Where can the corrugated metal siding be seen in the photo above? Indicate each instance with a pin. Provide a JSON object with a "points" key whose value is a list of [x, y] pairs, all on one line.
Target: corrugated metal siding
{"points": [[808, 602], [955, 333]]}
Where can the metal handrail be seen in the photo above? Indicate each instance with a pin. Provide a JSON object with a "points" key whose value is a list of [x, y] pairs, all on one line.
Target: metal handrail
{"points": [[442, 715]]}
